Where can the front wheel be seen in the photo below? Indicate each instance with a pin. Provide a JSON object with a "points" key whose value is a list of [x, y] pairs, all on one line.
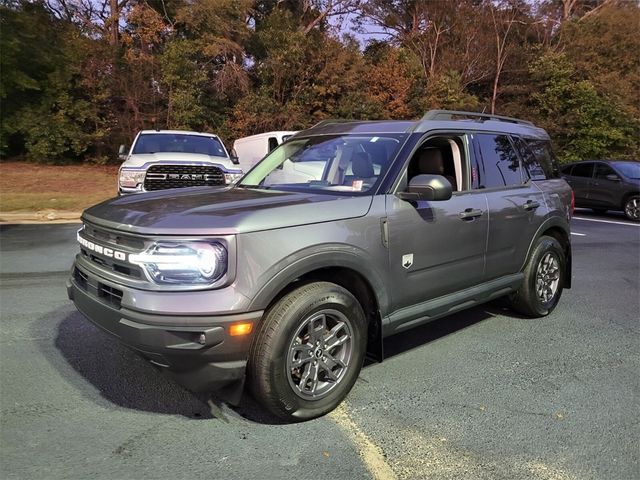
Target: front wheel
{"points": [[543, 279], [632, 208], [308, 351]]}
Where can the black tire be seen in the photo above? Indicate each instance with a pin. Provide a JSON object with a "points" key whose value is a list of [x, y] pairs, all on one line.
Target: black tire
{"points": [[599, 211], [295, 318], [528, 300], [631, 208]]}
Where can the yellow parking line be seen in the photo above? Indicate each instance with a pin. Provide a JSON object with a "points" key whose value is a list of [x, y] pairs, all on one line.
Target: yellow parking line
{"points": [[370, 453]]}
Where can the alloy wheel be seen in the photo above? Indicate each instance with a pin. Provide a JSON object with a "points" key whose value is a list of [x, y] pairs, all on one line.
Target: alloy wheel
{"points": [[547, 277], [319, 354]]}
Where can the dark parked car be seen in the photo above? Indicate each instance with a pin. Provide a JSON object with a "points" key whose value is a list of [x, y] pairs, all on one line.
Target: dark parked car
{"points": [[603, 185]]}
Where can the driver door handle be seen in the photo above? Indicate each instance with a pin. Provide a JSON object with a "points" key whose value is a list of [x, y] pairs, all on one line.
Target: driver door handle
{"points": [[531, 205], [470, 214]]}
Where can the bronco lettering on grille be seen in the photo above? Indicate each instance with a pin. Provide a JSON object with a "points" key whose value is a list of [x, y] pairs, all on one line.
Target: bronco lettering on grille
{"points": [[102, 250]]}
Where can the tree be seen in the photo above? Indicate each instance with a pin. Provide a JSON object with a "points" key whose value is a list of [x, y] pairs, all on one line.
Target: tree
{"points": [[46, 114], [583, 123]]}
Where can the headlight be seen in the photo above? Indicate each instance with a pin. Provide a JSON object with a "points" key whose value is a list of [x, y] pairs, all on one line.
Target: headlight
{"points": [[230, 178], [189, 263], [131, 178]]}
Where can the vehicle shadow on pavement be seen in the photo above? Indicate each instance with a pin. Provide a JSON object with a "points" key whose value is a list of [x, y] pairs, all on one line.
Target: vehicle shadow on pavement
{"points": [[91, 361], [106, 372], [424, 334]]}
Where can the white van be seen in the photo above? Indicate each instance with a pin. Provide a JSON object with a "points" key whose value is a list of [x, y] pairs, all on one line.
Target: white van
{"points": [[250, 150]]}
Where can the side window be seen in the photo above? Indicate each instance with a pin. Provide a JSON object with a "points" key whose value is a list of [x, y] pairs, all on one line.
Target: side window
{"points": [[544, 154], [532, 166], [582, 170], [273, 143], [442, 155], [500, 165], [603, 170]]}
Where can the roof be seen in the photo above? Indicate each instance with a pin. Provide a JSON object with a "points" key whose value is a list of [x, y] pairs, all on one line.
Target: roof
{"points": [[432, 120], [179, 132]]}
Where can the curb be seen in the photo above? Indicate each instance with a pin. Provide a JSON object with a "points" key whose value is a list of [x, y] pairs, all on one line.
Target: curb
{"points": [[41, 216]]}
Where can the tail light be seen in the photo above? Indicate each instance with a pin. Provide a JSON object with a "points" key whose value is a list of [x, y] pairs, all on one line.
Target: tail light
{"points": [[573, 202]]}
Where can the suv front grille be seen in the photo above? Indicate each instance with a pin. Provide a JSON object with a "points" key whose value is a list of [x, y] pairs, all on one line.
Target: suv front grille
{"points": [[160, 177], [115, 241]]}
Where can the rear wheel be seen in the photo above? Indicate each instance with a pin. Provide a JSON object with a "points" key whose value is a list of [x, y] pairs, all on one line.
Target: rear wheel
{"points": [[632, 208], [308, 352], [543, 279]]}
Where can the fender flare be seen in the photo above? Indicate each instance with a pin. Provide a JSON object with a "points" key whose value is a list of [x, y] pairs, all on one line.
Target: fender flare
{"points": [[309, 260], [554, 221]]}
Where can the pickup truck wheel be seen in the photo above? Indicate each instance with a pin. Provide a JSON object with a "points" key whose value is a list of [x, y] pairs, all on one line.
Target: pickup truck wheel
{"points": [[543, 279], [308, 351]]}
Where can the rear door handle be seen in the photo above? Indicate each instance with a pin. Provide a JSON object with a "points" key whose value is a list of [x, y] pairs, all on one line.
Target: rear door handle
{"points": [[470, 214], [531, 205]]}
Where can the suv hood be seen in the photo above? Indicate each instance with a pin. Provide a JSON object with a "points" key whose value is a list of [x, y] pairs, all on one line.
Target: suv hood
{"points": [[211, 211], [139, 160]]}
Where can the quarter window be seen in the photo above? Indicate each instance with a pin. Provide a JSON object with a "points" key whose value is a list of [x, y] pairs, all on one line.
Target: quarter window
{"points": [[530, 161], [500, 165], [545, 157]]}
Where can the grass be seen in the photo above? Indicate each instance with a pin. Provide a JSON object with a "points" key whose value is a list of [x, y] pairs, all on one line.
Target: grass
{"points": [[26, 187]]}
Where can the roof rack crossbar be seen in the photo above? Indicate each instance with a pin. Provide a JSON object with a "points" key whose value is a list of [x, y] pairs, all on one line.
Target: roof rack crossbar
{"points": [[451, 114]]}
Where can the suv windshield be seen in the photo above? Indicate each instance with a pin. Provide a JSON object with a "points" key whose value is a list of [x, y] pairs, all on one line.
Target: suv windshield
{"points": [[629, 169], [331, 163], [179, 143]]}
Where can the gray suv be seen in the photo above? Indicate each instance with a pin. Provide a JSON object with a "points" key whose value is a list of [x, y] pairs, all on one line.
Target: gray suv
{"points": [[347, 233]]}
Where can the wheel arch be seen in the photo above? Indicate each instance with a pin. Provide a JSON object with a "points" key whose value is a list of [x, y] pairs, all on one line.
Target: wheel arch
{"points": [[558, 229], [345, 269], [626, 196]]}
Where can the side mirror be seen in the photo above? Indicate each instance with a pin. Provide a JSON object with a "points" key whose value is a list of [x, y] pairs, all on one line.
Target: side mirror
{"points": [[234, 159], [613, 177], [427, 187], [122, 152]]}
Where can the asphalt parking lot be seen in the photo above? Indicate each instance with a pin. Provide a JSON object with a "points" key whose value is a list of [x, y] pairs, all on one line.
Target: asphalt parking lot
{"points": [[483, 394]]}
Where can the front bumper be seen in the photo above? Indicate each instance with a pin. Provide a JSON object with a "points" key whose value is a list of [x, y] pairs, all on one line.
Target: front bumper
{"points": [[199, 354]]}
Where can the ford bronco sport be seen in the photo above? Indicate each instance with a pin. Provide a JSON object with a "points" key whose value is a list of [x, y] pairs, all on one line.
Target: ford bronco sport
{"points": [[345, 234]]}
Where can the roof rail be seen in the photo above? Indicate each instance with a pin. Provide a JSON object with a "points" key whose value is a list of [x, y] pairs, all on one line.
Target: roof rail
{"points": [[329, 121], [459, 115]]}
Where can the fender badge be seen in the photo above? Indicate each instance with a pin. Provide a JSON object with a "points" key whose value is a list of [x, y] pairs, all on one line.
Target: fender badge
{"points": [[407, 260]]}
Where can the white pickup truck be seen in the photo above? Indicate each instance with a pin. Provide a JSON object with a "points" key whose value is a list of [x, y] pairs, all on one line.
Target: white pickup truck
{"points": [[162, 159]]}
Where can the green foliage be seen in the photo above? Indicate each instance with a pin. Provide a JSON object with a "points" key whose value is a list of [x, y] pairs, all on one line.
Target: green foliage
{"points": [[584, 123], [72, 90], [446, 91], [43, 104]]}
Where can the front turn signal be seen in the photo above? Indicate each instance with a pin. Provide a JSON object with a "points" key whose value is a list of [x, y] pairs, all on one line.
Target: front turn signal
{"points": [[238, 329]]}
